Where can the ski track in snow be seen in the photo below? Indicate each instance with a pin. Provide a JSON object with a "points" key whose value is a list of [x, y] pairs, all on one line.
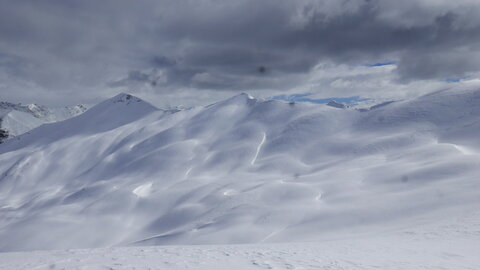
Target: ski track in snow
{"points": [[259, 147]]}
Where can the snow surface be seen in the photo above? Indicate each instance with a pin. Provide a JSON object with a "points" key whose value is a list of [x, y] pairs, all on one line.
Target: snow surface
{"points": [[248, 171], [451, 245]]}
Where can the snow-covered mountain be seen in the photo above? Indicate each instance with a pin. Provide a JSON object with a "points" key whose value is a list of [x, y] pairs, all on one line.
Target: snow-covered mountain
{"points": [[239, 171], [16, 119]]}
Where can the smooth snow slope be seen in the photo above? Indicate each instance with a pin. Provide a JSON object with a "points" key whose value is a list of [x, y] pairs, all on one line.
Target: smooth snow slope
{"points": [[239, 171]]}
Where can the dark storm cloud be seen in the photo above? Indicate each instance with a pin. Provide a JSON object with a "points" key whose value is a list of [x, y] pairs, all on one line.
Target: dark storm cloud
{"points": [[234, 39], [163, 62], [79, 46]]}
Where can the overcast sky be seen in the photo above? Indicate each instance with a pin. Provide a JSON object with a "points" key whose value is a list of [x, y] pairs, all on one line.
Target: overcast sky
{"points": [[191, 52]]}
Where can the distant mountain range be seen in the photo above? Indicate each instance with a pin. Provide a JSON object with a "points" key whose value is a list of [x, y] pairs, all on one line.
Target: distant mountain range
{"points": [[16, 119]]}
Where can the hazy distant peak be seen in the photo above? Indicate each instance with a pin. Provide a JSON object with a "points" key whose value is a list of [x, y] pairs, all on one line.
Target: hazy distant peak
{"points": [[16, 119]]}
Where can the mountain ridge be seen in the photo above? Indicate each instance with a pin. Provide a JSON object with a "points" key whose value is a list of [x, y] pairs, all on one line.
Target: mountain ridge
{"points": [[242, 170], [111, 113]]}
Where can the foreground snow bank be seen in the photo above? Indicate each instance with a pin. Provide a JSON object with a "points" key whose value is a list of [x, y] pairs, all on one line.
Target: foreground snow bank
{"points": [[452, 245]]}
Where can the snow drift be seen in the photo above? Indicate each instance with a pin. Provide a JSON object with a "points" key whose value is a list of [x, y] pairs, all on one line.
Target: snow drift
{"points": [[238, 171]]}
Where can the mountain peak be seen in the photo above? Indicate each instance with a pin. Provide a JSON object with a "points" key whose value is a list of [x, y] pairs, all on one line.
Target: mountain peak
{"points": [[136, 104], [126, 98], [245, 95]]}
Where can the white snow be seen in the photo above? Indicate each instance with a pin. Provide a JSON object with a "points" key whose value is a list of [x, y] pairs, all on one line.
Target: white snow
{"points": [[247, 171], [143, 190], [451, 245]]}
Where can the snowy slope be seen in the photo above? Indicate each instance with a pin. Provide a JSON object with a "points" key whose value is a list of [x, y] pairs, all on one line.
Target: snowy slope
{"points": [[17, 119], [239, 171]]}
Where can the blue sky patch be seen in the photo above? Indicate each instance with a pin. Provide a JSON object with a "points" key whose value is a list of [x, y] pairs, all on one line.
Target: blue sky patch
{"points": [[306, 98], [453, 80], [379, 64]]}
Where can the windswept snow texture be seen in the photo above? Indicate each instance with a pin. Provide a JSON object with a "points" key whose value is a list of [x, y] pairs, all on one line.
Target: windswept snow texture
{"points": [[239, 171], [17, 119]]}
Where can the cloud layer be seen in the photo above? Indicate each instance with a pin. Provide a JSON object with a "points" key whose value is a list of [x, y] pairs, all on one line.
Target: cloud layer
{"points": [[193, 50]]}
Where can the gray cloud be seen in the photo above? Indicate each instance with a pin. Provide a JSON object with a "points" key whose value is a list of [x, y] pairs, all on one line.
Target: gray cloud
{"points": [[87, 49]]}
